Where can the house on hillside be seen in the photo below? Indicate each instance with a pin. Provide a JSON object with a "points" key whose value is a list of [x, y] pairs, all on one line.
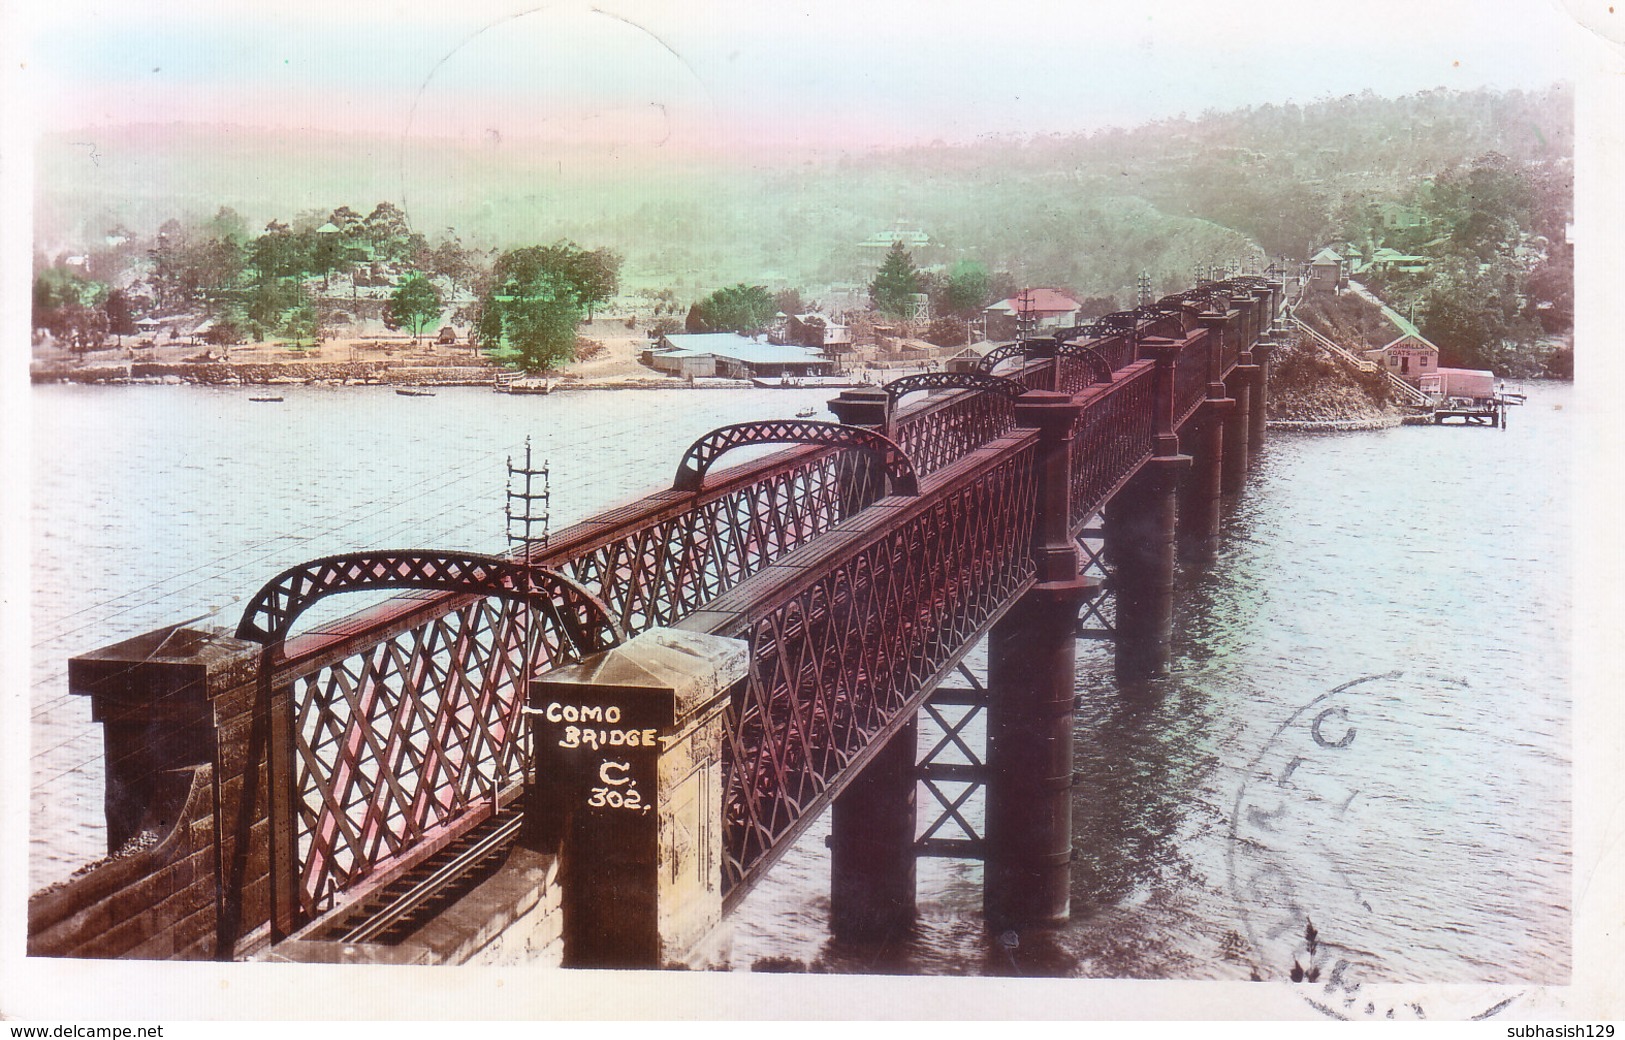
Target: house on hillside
{"points": [[880, 242], [732, 356], [1410, 357], [1328, 271], [1037, 309], [1390, 261]]}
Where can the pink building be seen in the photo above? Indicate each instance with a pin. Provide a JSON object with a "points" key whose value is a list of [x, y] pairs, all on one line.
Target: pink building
{"points": [[1044, 308]]}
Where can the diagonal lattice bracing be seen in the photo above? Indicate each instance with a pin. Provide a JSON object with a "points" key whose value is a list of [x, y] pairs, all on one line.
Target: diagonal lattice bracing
{"points": [[1110, 440], [700, 456], [898, 389], [407, 722], [834, 661]]}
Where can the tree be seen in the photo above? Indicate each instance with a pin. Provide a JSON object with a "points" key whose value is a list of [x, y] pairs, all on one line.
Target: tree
{"points": [[590, 278], [452, 262], [968, 290], [948, 331], [895, 283], [391, 237], [120, 315], [70, 308], [531, 308], [788, 301], [1473, 313], [415, 304], [738, 308], [542, 330]]}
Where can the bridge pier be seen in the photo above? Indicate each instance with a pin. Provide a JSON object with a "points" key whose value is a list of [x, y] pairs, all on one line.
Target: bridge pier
{"points": [[1031, 673], [862, 406], [628, 792], [185, 730], [1140, 542], [1238, 424], [1258, 412], [872, 857], [1201, 492]]}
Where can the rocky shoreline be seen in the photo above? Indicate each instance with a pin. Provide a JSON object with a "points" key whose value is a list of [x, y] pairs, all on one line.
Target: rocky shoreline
{"points": [[1378, 422]]}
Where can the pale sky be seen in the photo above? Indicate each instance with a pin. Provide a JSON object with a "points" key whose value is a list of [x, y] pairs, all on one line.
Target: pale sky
{"points": [[835, 73]]}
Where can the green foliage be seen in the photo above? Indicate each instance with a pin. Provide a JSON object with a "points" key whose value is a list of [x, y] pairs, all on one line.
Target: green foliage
{"points": [[896, 283], [1473, 312], [415, 304], [589, 277], [534, 305], [741, 308], [185, 264], [387, 231], [70, 308], [969, 289], [948, 332]]}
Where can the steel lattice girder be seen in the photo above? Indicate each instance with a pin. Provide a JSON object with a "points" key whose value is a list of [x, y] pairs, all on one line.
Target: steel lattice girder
{"points": [[704, 452], [579, 615], [844, 644]]}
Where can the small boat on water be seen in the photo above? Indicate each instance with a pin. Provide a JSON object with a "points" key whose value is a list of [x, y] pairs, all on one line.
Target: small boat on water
{"points": [[524, 385], [404, 392], [267, 398], [806, 413]]}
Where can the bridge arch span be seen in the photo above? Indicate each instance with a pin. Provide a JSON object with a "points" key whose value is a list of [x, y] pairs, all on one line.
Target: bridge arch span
{"points": [[576, 623], [897, 389], [700, 456]]}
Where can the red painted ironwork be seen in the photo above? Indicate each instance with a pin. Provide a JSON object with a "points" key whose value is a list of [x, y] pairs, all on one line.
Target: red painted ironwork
{"points": [[1191, 368], [845, 647], [953, 770], [579, 616], [416, 737], [898, 389], [1003, 353], [419, 729], [1113, 436], [406, 716], [705, 451], [660, 559], [945, 429], [1080, 367], [1115, 346]]}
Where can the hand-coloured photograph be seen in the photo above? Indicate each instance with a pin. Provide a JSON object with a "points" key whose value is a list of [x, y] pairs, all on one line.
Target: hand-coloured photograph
{"points": [[853, 503]]}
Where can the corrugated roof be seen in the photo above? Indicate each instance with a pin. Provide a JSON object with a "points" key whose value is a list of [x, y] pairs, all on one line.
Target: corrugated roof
{"points": [[731, 345]]}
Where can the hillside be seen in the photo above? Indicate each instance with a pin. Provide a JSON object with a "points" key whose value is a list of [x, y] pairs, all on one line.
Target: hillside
{"points": [[1090, 212]]}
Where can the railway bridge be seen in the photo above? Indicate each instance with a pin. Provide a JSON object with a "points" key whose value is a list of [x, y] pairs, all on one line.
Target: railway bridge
{"points": [[588, 752]]}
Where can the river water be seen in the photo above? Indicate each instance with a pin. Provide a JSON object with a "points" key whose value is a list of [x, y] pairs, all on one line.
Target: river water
{"points": [[1366, 728]]}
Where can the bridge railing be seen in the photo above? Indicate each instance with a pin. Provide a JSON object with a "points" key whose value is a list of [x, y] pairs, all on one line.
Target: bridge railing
{"points": [[1192, 370], [401, 726], [1111, 438], [946, 427], [407, 718], [849, 635]]}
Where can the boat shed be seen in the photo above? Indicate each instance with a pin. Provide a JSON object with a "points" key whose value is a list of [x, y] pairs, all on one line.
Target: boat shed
{"points": [[732, 356], [1410, 357]]}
